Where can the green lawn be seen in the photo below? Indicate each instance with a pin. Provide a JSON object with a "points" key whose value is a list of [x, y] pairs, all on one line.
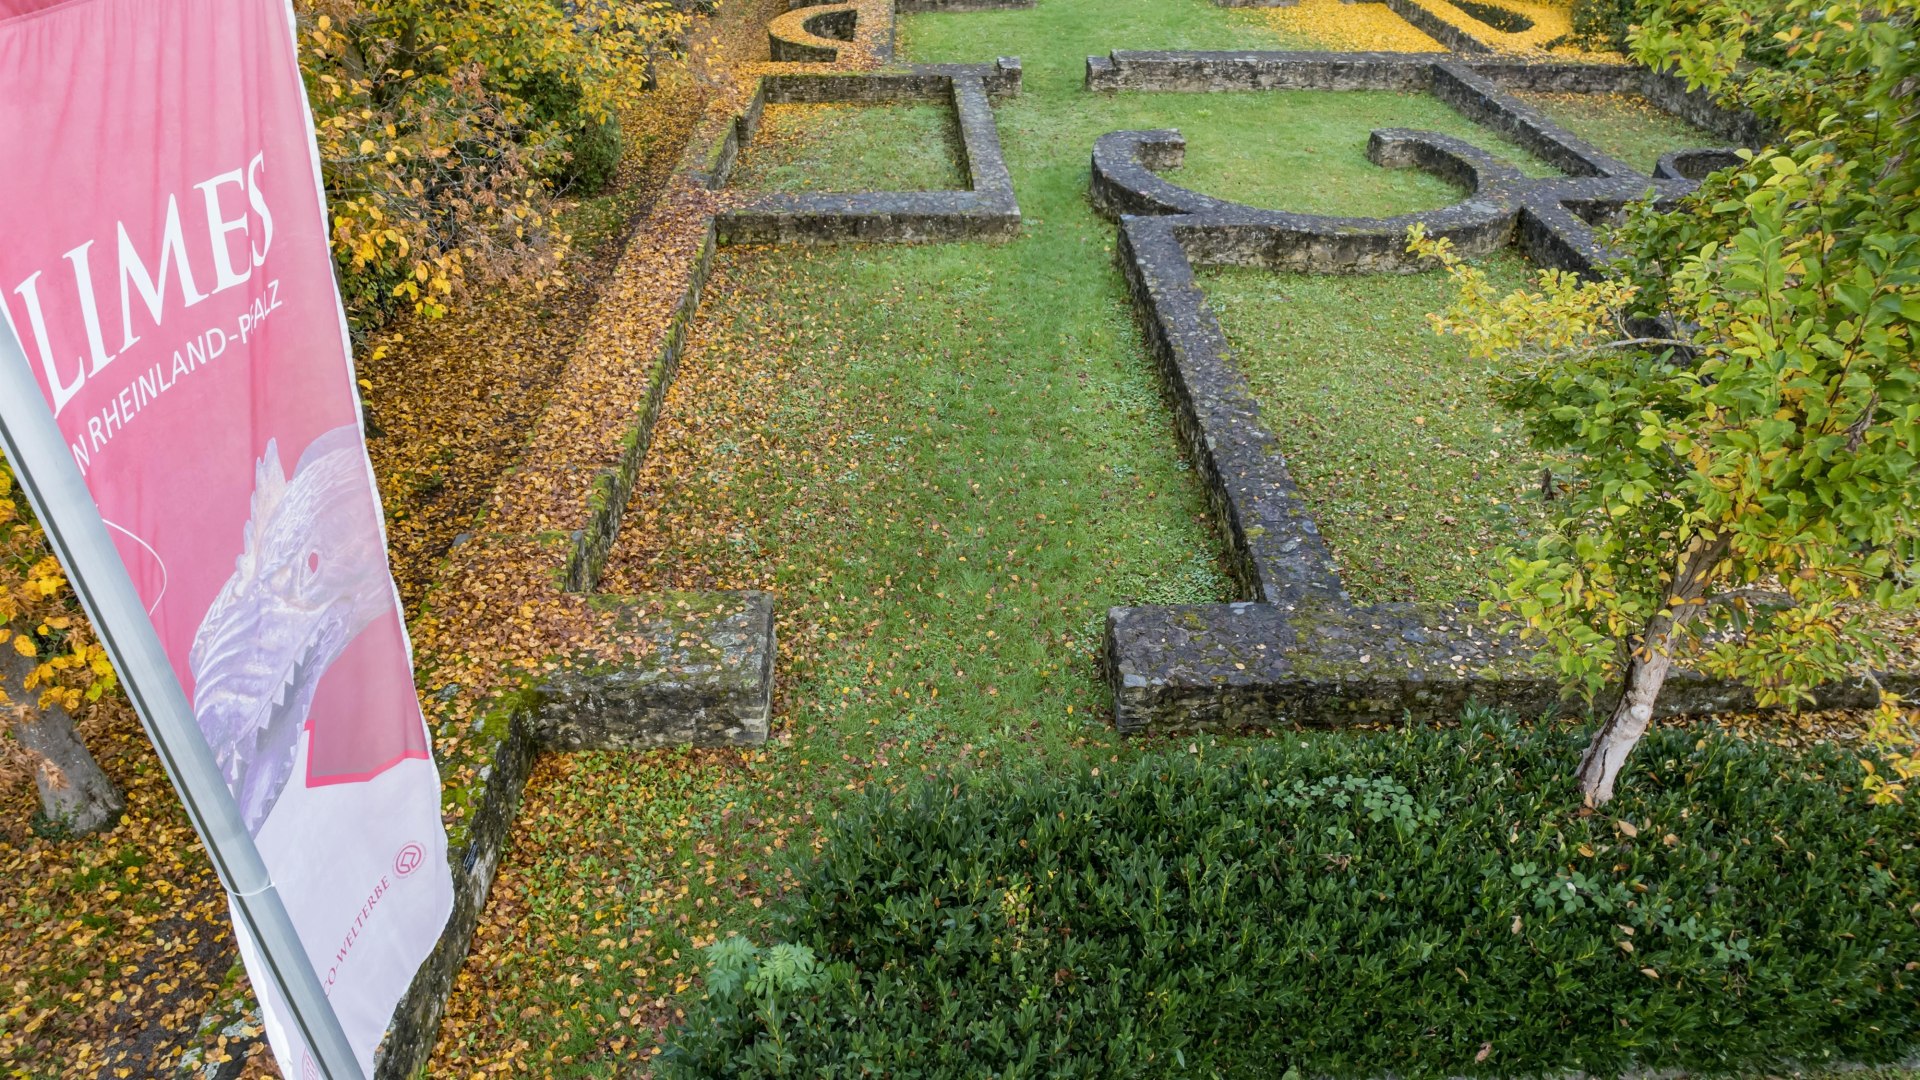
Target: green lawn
{"points": [[853, 148], [1413, 474], [1301, 151], [1627, 126]]}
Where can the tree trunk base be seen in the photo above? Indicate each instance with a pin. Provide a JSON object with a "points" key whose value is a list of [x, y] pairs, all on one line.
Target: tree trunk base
{"points": [[76, 796]]}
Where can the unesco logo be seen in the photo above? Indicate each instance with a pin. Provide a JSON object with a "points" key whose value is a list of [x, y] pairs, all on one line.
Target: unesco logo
{"points": [[409, 859]]}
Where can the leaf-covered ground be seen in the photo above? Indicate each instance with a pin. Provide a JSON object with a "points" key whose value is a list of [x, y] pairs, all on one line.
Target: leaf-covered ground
{"points": [[1533, 28], [113, 944], [1337, 24], [1627, 126]]}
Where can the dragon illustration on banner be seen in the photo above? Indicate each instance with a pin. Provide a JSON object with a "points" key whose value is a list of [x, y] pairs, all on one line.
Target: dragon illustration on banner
{"points": [[311, 576]]}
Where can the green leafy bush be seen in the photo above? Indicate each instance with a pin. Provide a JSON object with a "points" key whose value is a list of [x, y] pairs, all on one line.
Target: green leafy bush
{"points": [[1430, 904], [1603, 24], [590, 150]]}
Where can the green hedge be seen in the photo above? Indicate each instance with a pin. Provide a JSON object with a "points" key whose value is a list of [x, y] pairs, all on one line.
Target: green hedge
{"points": [[1429, 904], [1603, 24]]}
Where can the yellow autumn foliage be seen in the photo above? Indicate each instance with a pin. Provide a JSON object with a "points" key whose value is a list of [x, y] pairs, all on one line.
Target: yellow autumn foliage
{"points": [[40, 617], [445, 128], [1550, 33], [1372, 26], [1350, 27]]}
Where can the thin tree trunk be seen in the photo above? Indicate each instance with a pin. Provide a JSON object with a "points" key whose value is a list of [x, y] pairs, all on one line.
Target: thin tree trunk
{"points": [[75, 795], [1646, 673]]}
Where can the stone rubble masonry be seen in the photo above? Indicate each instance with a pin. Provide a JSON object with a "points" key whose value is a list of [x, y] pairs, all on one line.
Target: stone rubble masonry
{"points": [[1299, 650], [709, 686], [613, 485], [1124, 183], [815, 31], [861, 38], [987, 210], [1126, 69], [1693, 165]]}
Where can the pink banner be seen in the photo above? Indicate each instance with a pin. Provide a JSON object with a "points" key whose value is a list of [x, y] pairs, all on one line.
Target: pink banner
{"points": [[164, 263]]}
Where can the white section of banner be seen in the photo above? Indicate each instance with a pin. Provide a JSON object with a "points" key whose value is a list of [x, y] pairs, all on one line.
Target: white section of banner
{"points": [[399, 875]]}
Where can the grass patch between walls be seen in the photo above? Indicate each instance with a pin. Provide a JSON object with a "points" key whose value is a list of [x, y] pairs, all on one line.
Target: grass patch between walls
{"points": [[1414, 475], [853, 148], [1624, 126]]}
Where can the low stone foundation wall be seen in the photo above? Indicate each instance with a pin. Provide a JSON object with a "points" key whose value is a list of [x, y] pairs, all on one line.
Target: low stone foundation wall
{"points": [[1301, 652], [614, 487], [1230, 233], [1697, 107], [812, 35], [856, 32], [706, 680], [1234, 70], [908, 7], [1298, 650], [416, 1020], [1499, 205], [1664, 90], [987, 210], [1479, 99], [701, 676], [1694, 165]]}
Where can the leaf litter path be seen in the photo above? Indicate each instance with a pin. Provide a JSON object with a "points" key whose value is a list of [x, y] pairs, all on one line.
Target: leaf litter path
{"points": [[448, 401]]}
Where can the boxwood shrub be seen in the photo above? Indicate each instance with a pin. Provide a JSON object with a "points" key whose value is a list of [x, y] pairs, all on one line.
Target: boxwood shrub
{"points": [[1433, 903]]}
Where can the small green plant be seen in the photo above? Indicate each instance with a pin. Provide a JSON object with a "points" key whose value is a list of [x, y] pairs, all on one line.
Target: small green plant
{"points": [[770, 996]]}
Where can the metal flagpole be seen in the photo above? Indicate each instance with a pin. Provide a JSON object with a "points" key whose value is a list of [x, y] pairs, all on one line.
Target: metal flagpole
{"points": [[79, 537]]}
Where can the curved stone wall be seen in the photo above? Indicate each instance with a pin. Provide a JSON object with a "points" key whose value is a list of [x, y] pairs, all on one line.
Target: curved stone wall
{"points": [[1298, 650], [812, 34]]}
